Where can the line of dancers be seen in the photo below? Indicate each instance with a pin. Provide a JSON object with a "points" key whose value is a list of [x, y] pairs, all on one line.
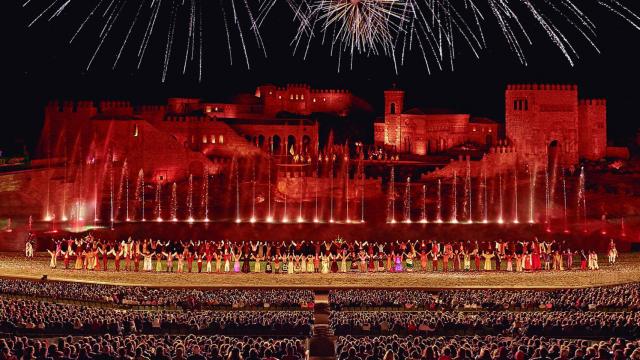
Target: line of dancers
{"points": [[334, 256]]}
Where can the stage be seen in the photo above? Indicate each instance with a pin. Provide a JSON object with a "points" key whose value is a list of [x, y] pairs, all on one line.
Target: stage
{"points": [[14, 265]]}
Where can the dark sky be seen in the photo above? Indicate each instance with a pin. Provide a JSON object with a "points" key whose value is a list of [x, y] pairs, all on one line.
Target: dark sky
{"points": [[41, 65]]}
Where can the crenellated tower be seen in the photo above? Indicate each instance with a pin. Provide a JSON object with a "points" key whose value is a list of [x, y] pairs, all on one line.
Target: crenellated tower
{"points": [[593, 128]]}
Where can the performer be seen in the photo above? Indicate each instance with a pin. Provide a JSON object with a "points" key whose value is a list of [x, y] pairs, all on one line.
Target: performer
{"points": [[583, 260], [57, 249], [487, 260], [147, 263], [257, 260], [519, 261], [28, 248], [169, 255], [311, 263], [398, 262], [509, 258], [334, 263], [290, 261], [343, 261], [136, 256], [612, 252], [303, 261], [246, 267], [181, 257], [325, 264], [568, 258], [467, 260], [236, 261], [409, 261]]}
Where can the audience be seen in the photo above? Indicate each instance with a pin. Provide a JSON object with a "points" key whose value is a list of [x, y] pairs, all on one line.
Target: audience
{"points": [[620, 298], [37, 317], [480, 348], [150, 347], [140, 295], [552, 323]]}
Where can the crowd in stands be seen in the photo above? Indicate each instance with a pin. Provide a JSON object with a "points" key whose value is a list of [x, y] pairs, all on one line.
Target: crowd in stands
{"points": [[140, 295], [38, 317], [150, 347], [622, 298], [483, 348], [430, 323]]}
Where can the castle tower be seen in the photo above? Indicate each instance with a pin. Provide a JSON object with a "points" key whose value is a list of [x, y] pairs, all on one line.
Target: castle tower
{"points": [[592, 124], [393, 101], [542, 123]]}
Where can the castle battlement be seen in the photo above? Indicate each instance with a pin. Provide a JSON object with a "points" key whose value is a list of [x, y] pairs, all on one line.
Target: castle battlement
{"points": [[552, 87], [70, 106], [330, 91], [151, 108], [593, 102], [186, 118], [114, 104]]}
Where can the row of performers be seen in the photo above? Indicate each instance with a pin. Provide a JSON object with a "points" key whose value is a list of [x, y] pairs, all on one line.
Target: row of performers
{"points": [[338, 246], [234, 259]]}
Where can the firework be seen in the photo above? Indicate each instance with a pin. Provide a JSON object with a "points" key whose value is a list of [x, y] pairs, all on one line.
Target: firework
{"points": [[434, 28], [139, 21]]}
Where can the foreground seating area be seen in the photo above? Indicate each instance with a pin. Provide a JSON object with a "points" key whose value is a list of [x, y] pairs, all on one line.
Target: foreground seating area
{"points": [[555, 323], [139, 295], [615, 298], [153, 347], [481, 348], [42, 318]]}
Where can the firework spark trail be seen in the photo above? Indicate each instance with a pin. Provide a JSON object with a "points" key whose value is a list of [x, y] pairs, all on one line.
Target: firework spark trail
{"points": [[124, 43], [106, 15], [622, 11], [149, 31], [112, 19], [386, 28], [170, 37]]}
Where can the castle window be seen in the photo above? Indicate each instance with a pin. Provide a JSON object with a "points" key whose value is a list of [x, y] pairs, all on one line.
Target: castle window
{"points": [[135, 130], [314, 99], [474, 129], [301, 96], [291, 97], [208, 109], [515, 104], [297, 97], [221, 139], [204, 139], [526, 105], [279, 97], [193, 139], [270, 92], [324, 99], [392, 108], [213, 139]]}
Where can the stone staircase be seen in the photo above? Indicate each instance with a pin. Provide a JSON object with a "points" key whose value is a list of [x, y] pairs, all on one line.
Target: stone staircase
{"points": [[322, 345]]}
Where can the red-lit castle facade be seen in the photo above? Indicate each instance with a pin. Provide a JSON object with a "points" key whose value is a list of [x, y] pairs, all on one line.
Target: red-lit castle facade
{"points": [[540, 121], [188, 135], [429, 131]]}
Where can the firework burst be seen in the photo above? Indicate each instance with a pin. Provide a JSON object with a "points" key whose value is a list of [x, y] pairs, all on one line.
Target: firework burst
{"points": [[131, 25], [435, 28]]}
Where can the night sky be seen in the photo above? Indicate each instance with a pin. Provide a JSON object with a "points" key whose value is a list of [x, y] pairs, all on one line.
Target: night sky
{"points": [[40, 65]]}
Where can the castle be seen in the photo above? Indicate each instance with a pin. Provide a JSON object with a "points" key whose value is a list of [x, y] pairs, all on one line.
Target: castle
{"points": [[186, 135], [423, 131], [550, 121], [542, 122]]}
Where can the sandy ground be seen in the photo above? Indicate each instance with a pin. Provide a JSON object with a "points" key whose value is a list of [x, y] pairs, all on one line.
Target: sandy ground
{"points": [[626, 270]]}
